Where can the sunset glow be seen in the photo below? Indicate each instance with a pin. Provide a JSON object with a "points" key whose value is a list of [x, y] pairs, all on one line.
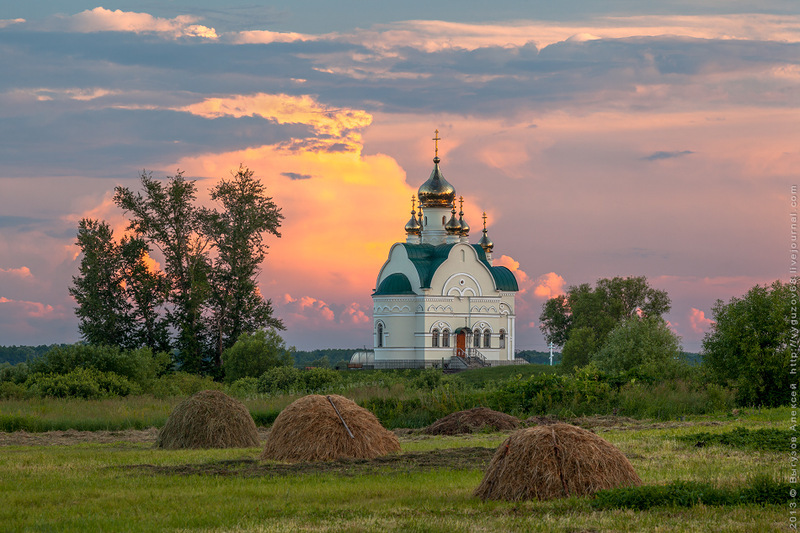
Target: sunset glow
{"points": [[599, 145]]}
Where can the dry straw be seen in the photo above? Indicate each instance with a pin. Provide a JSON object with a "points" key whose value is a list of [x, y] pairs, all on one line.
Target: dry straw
{"points": [[472, 420], [554, 461], [209, 419], [310, 429]]}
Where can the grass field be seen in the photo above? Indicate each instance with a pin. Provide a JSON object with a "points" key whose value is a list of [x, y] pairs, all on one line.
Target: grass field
{"points": [[129, 486]]}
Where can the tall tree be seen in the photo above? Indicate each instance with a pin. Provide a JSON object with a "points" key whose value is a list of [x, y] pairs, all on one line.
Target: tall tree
{"points": [[167, 217], [590, 314], [118, 296], [237, 234], [749, 345], [99, 288]]}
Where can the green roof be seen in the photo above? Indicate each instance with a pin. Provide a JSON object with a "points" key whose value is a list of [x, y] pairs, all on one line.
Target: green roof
{"points": [[397, 283], [428, 258]]}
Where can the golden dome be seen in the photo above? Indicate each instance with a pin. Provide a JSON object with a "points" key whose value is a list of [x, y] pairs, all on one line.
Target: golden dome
{"points": [[436, 192], [485, 242], [412, 226], [461, 221], [453, 227]]}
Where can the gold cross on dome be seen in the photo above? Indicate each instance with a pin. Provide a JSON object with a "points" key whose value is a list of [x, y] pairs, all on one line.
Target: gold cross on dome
{"points": [[436, 138]]}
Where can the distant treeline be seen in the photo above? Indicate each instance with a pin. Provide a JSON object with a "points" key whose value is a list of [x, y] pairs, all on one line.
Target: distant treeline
{"points": [[327, 358], [543, 358], [20, 354]]}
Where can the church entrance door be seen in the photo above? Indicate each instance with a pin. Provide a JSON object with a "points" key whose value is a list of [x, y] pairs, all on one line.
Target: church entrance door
{"points": [[461, 343]]}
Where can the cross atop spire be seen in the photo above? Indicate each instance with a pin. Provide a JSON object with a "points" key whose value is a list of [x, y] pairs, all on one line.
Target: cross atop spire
{"points": [[436, 140]]}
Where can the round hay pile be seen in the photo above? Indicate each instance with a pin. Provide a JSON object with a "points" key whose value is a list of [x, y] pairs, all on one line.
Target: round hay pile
{"points": [[554, 461], [472, 420], [309, 429], [209, 419]]}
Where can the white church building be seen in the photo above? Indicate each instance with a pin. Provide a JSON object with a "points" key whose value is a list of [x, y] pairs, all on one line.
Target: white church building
{"points": [[438, 296]]}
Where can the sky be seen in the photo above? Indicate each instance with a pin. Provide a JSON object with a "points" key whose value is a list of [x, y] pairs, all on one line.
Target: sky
{"points": [[614, 138]]}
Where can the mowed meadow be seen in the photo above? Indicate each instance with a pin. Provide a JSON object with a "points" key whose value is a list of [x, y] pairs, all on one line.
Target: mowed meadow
{"points": [[91, 465]]}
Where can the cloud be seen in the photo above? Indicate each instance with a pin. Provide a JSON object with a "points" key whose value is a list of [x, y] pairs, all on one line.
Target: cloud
{"points": [[549, 285], [268, 37], [698, 321], [21, 272], [284, 109], [100, 19], [655, 156], [296, 176], [29, 309], [304, 309], [4, 23]]}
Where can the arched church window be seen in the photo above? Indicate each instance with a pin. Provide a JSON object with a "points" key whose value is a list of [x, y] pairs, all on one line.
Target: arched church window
{"points": [[487, 339], [446, 338], [380, 335], [502, 338], [435, 338], [476, 336]]}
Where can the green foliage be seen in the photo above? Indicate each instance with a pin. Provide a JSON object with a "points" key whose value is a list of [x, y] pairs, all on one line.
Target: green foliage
{"points": [[235, 303], [244, 387], [597, 310], [671, 399], [280, 379], [12, 391], [765, 439], [749, 344], [14, 373], [539, 358], [265, 418], [254, 354], [303, 359], [579, 349], [317, 380], [80, 383], [642, 347], [177, 384], [20, 354], [762, 490], [139, 366]]}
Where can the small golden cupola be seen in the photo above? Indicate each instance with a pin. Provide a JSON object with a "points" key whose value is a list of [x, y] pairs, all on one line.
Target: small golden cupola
{"points": [[453, 227], [436, 192], [463, 223], [413, 228], [485, 242]]}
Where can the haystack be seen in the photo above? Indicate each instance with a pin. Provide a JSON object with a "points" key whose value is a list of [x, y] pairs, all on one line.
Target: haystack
{"points": [[326, 428], [554, 461], [209, 419], [472, 420]]}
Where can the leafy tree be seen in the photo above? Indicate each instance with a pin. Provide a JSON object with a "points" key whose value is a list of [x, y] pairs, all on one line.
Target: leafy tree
{"points": [[599, 310], [99, 289], [254, 354], [641, 347], [118, 296], [578, 349], [237, 234], [749, 344], [167, 217]]}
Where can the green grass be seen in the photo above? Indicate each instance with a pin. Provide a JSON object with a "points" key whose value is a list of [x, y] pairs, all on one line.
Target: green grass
{"points": [[480, 376], [97, 487]]}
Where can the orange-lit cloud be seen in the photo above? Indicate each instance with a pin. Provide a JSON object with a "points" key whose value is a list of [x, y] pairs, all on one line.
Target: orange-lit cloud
{"points": [[284, 109], [30, 309], [21, 272], [101, 19], [266, 37], [305, 309], [549, 285], [8, 22], [698, 321]]}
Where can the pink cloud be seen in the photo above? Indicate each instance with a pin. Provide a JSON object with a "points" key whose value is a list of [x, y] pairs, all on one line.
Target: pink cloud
{"points": [[21, 272], [305, 308], [698, 321], [101, 19], [30, 309], [354, 314], [549, 285]]}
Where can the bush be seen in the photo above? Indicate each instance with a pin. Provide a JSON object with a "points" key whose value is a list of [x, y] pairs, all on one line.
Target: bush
{"points": [[140, 366], [244, 388], [319, 379], [281, 379], [252, 355], [15, 374], [81, 383], [12, 391], [181, 384]]}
